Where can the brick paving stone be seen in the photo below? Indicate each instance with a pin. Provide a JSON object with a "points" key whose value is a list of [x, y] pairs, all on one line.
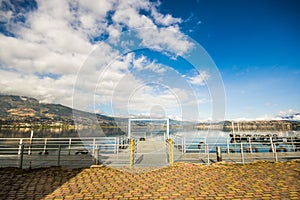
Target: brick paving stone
{"points": [[259, 180]]}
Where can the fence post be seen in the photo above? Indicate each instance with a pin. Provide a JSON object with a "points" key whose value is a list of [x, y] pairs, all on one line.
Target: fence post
{"points": [[117, 145], [30, 142], [171, 151], [219, 154], [273, 146], [58, 157], [45, 146], [132, 152], [94, 146], [250, 143], [207, 151], [70, 143], [184, 147], [271, 143], [228, 150], [276, 156], [242, 153], [21, 156], [20, 146], [96, 156]]}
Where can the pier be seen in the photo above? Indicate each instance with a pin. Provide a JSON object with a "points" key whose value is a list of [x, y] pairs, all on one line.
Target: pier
{"points": [[146, 152]]}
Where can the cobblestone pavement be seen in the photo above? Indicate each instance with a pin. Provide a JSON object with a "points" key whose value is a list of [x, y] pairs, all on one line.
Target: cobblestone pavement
{"points": [[259, 180]]}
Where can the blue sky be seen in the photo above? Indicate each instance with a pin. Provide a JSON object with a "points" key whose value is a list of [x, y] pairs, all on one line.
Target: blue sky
{"points": [[255, 45], [65, 52]]}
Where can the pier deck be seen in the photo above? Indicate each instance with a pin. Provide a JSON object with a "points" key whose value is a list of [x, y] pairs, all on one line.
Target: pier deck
{"points": [[76, 153], [151, 153], [260, 180]]}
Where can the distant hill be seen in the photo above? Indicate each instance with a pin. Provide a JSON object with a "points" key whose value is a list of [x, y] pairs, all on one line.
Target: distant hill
{"points": [[21, 111], [263, 125], [25, 111], [20, 108], [292, 117]]}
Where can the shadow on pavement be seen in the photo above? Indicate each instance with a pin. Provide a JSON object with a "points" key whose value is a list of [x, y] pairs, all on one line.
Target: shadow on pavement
{"points": [[18, 183]]}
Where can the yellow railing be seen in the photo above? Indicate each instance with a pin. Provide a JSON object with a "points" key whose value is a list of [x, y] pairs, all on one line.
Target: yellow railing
{"points": [[132, 152], [171, 151]]}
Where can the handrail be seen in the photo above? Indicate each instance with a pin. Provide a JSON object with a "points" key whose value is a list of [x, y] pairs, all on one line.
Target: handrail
{"points": [[133, 148], [197, 148]]}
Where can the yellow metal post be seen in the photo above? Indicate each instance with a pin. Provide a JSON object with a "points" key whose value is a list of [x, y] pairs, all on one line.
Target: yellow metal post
{"points": [[131, 152], [171, 152]]}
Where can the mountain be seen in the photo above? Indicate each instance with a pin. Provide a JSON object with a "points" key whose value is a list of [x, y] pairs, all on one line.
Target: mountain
{"points": [[291, 117], [21, 111], [25, 111], [262, 125]]}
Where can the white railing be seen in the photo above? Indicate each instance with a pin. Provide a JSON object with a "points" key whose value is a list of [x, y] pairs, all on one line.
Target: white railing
{"points": [[75, 152], [81, 152], [246, 150]]}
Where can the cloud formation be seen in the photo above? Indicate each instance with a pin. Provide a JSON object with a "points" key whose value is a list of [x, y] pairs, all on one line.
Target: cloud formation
{"points": [[199, 79], [52, 38], [289, 114], [58, 51]]}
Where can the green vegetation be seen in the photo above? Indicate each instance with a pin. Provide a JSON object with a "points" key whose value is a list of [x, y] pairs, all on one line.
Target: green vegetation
{"points": [[23, 112]]}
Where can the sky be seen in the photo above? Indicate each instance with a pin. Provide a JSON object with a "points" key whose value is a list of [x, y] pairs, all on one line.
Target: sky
{"points": [[188, 60]]}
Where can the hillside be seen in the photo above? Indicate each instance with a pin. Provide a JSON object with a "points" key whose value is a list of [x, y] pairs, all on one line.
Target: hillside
{"points": [[26, 111], [265, 125], [20, 111]]}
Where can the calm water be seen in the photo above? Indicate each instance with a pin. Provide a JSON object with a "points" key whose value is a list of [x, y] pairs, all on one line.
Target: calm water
{"points": [[64, 133], [57, 133], [192, 137]]}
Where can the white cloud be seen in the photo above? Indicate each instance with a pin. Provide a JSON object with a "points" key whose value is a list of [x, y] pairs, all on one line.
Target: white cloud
{"points": [[5, 16], [31, 85], [296, 117], [165, 20], [288, 112], [167, 38], [199, 79], [124, 91], [43, 58], [142, 63]]}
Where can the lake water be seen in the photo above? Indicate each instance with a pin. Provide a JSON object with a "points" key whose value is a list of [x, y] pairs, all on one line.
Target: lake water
{"points": [[65, 133], [194, 139]]}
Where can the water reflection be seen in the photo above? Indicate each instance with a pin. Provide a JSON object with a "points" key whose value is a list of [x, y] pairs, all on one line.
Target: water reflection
{"points": [[57, 132], [112, 132], [38, 133]]}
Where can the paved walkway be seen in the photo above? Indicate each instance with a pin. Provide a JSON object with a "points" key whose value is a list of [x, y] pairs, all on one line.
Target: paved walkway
{"points": [[260, 180], [151, 154]]}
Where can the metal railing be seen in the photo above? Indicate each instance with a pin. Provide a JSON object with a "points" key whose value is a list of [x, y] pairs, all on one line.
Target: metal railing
{"points": [[71, 152], [169, 151], [242, 151], [117, 151], [133, 151]]}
